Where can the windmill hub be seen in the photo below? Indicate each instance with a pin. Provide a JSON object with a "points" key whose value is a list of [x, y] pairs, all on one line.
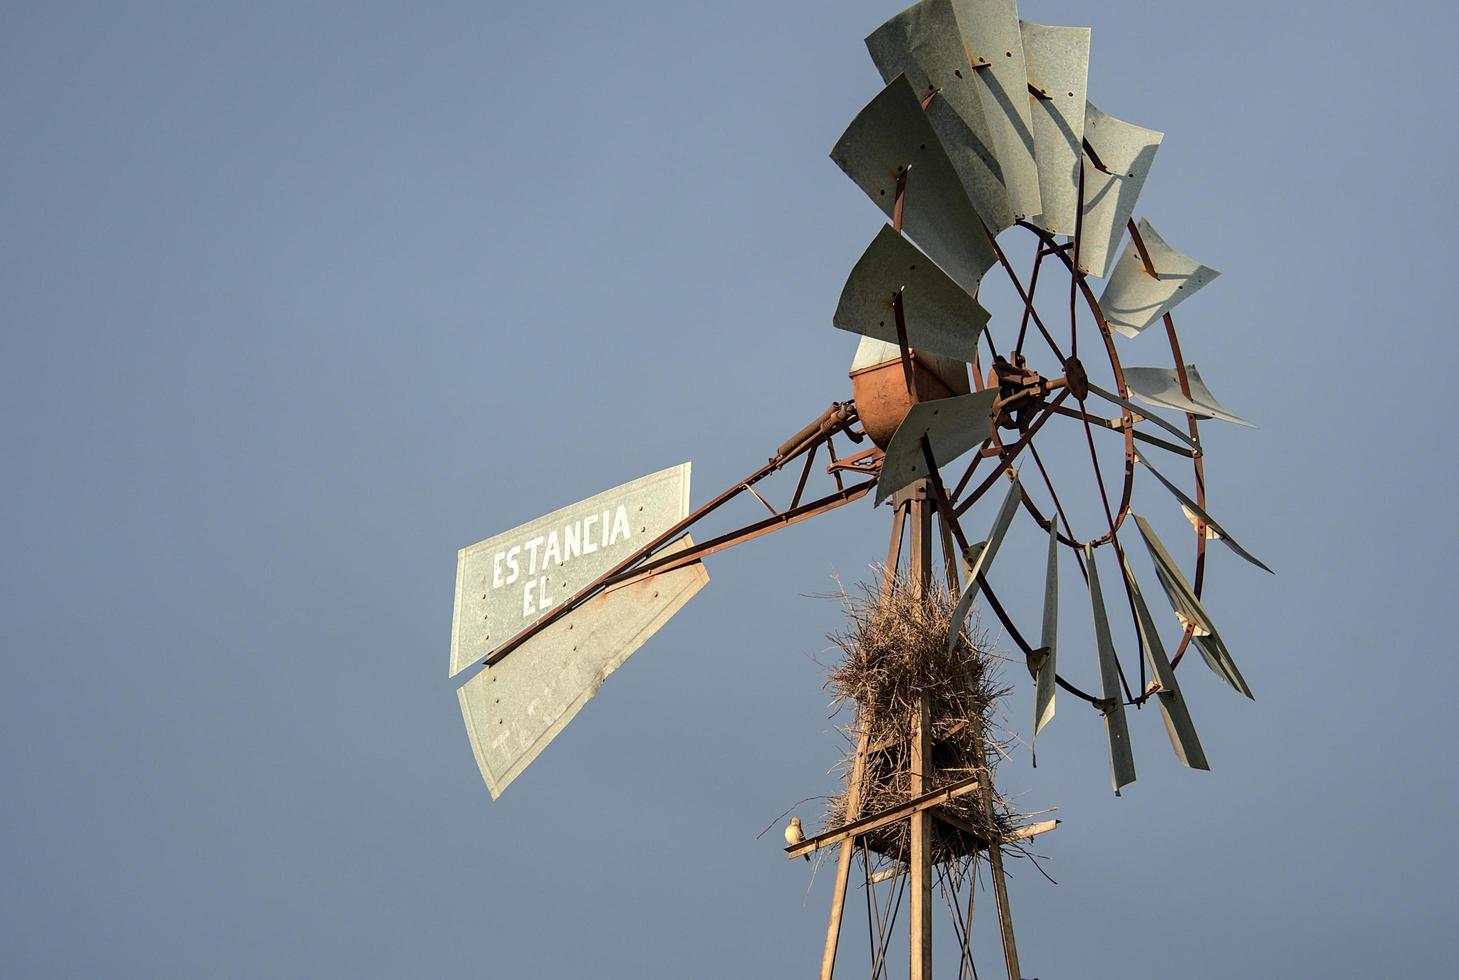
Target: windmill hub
{"points": [[1022, 392]]}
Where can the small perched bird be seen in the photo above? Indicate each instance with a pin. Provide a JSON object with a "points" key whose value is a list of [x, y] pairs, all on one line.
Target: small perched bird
{"points": [[795, 835]]}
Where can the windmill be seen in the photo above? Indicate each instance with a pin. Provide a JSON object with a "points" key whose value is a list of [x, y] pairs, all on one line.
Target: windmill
{"points": [[982, 135]]}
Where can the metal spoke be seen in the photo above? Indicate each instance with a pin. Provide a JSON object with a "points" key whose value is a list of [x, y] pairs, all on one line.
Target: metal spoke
{"points": [[1026, 298], [1033, 285], [1059, 509]]}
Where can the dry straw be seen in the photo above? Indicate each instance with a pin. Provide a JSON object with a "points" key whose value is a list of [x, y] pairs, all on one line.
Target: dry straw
{"points": [[895, 650]]}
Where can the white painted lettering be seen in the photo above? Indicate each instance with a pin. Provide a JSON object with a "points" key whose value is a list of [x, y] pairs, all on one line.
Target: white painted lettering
{"points": [[533, 545], [543, 599], [496, 571], [572, 541], [552, 554], [620, 524], [605, 529], [528, 607], [516, 571], [588, 546]]}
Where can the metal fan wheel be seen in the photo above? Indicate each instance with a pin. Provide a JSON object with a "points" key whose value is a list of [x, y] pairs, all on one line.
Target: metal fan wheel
{"points": [[883, 401]]}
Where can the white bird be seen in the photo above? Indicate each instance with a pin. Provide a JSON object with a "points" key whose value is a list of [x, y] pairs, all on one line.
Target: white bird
{"points": [[795, 835]]}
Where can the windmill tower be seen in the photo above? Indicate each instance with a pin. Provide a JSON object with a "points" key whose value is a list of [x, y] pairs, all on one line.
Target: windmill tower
{"points": [[982, 137], [919, 809]]}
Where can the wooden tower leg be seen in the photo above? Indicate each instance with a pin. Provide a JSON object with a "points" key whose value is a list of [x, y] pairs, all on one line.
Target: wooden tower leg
{"points": [[920, 863], [843, 862], [1000, 883], [847, 848], [985, 797]]}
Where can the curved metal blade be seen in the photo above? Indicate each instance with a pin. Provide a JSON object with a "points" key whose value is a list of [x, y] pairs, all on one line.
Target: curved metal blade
{"points": [[1189, 610], [993, 42], [1195, 509], [1161, 387], [1126, 152], [951, 427], [1044, 687], [1058, 71], [515, 708], [939, 315], [978, 558], [892, 136], [1133, 299], [506, 583], [922, 43], [1116, 729], [1178, 724]]}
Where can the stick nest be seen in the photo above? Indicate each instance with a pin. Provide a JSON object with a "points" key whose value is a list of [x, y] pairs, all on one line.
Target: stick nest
{"points": [[895, 651]]}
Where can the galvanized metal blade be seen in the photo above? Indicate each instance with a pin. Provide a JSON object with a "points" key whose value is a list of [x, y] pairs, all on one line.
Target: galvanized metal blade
{"points": [[951, 426], [1112, 705], [1044, 686], [506, 583], [515, 708], [979, 558], [1125, 152], [1161, 387], [1133, 299], [1178, 724], [1188, 609], [891, 141], [940, 316], [922, 43], [993, 42], [1058, 72], [1197, 513]]}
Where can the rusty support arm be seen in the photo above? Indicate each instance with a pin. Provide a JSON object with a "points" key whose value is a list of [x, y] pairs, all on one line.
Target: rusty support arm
{"points": [[838, 418], [748, 533]]}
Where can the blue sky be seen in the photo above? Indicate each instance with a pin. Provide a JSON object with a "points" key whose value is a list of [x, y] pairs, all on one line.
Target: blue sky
{"points": [[297, 299]]}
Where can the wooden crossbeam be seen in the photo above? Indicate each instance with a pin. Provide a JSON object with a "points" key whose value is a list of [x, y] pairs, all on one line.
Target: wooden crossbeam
{"points": [[1022, 833], [888, 743], [1033, 830], [878, 820]]}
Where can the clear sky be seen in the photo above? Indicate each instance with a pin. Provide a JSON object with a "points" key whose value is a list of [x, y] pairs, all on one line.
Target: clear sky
{"points": [[297, 299]]}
